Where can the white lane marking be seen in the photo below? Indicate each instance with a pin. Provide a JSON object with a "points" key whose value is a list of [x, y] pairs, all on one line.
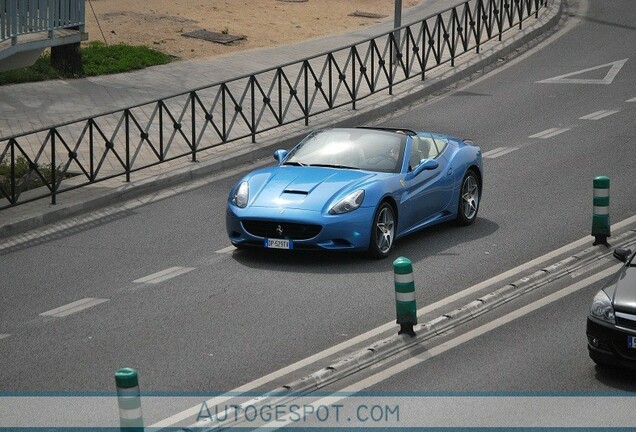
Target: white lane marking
{"points": [[614, 68], [4, 336], [192, 412], [599, 115], [549, 133], [74, 307], [631, 100], [163, 275], [499, 152], [225, 250], [493, 151], [416, 359]]}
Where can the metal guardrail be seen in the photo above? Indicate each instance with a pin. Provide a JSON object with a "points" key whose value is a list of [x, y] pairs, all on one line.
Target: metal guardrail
{"points": [[20, 17], [121, 142]]}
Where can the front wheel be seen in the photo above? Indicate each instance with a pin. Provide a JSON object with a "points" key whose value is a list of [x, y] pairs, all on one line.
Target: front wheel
{"points": [[469, 196], [382, 232]]}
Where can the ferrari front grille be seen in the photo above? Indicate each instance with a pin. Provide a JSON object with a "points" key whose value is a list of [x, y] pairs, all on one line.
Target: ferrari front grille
{"points": [[283, 230]]}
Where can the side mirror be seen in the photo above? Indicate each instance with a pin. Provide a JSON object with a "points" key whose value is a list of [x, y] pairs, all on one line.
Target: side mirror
{"points": [[622, 254], [429, 164], [425, 165], [280, 155]]}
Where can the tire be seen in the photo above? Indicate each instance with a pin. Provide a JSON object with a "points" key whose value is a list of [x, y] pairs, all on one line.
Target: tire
{"points": [[469, 199], [382, 232]]}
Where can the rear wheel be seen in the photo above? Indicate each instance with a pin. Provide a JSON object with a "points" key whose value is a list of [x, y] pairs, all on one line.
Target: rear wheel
{"points": [[469, 197], [382, 232]]}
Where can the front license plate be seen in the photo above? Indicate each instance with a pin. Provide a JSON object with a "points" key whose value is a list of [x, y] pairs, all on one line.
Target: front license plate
{"points": [[631, 341], [278, 244]]}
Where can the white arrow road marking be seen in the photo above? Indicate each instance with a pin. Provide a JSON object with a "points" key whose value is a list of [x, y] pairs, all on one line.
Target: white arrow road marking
{"points": [[163, 275], [416, 359], [74, 307], [549, 133], [599, 115], [194, 411], [498, 152], [614, 68]]}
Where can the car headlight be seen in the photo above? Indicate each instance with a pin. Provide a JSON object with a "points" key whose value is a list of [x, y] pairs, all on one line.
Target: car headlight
{"points": [[602, 307], [241, 195], [348, 203]]}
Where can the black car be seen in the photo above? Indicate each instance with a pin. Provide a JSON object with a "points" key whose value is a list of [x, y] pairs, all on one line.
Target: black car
{"points": [[611, 325]]}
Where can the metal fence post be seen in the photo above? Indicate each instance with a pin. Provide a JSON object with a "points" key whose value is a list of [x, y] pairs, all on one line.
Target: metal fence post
{"points": [[53, 168], [127, 131]]}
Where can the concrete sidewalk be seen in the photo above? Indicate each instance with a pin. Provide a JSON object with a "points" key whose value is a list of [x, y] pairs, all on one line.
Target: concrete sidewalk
{"points": [[28, 107]]}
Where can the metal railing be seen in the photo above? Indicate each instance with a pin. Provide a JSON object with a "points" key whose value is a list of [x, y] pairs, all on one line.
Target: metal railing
{"points": [[20, 17], [121, 142]]}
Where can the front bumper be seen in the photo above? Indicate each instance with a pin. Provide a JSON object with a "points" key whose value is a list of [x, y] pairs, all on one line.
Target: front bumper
{"points": [[348, 231], [607, 344]]}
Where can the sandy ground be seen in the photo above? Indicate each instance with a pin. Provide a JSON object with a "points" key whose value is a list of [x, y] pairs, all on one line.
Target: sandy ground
{"points": [[160, 24]]}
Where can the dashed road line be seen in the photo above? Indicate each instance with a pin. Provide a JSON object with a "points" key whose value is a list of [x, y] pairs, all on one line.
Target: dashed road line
{"points": [[500, 151], [631, 100], [599, 115], [549, 133], [164, 275], [72, 308], [225, 250], [4, 336]]}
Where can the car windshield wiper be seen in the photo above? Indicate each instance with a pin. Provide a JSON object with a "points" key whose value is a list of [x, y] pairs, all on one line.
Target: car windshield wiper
{"points": [[295, 163], [334, 166]]}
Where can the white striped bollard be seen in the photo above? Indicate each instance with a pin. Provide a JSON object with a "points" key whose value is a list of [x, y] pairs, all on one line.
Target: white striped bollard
{"points": [[405, 308], [129, 400], [600, 218]]}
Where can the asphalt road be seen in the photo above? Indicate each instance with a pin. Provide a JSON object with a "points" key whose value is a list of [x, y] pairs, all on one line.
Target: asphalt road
{"points": [[544, 351], [234, 316]]}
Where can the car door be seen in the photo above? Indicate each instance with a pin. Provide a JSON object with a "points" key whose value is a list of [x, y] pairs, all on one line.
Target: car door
{"points": [[426, 194]]}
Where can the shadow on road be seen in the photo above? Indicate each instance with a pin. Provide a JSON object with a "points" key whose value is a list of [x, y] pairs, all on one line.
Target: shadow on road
{"points": [[618, 378], [417, 247]]}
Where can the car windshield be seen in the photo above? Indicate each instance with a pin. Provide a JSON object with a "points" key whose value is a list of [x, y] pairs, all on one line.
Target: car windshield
{"points": [[364, 149]]}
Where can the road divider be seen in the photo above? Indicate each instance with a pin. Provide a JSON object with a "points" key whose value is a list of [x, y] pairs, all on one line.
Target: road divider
{"points": [[600, 218], [405, 307], [131, 417]]}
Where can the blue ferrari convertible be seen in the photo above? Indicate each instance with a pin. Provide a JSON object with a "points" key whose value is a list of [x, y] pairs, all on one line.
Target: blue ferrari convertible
{"points": [[356, 189]]}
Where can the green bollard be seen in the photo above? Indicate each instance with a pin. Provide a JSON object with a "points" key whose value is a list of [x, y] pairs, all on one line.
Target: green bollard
{"points": [[129, 400], [600, 218], [405, 308]]}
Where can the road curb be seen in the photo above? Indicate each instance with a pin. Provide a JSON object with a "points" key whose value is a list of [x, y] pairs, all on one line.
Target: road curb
{"points": [[406, 94]]}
